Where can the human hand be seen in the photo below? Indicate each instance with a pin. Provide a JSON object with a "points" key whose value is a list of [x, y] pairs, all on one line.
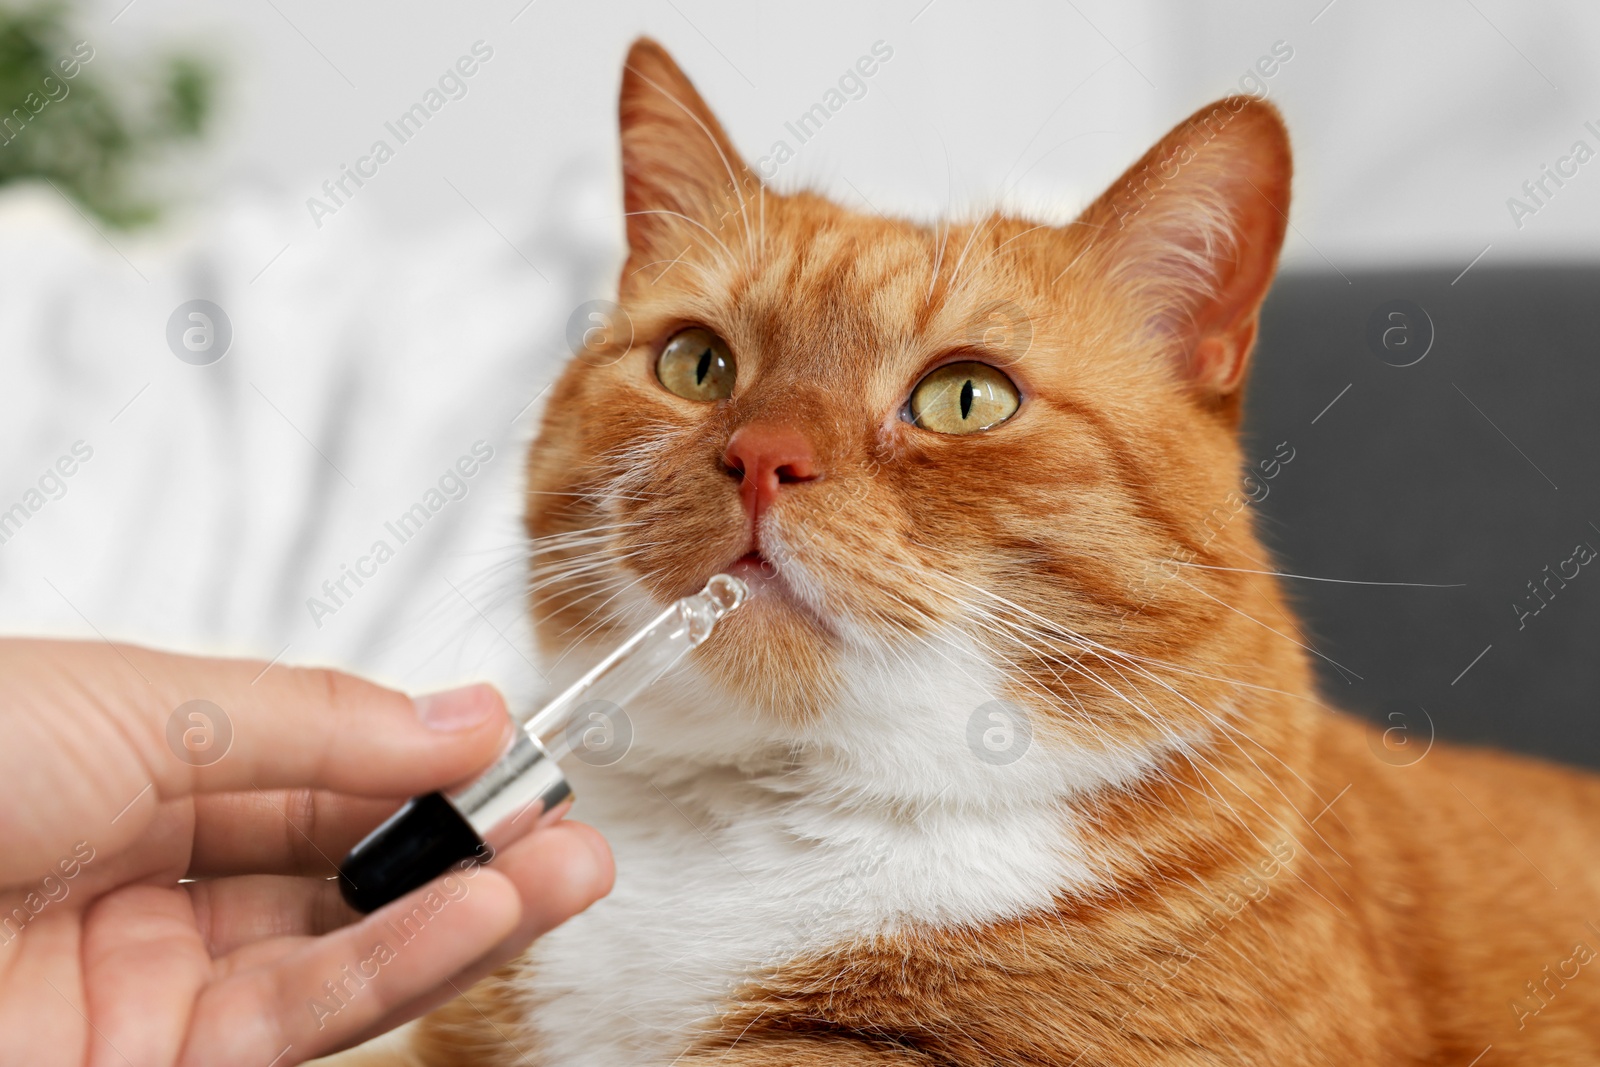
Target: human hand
{"points": [[107, 958]]}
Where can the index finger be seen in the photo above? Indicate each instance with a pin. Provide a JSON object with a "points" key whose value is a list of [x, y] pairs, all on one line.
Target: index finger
{"points": [[109, 733], [275, 727]]}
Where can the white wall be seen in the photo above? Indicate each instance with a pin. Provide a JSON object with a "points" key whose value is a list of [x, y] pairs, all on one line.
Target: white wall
{"points": [[1413, 122]]}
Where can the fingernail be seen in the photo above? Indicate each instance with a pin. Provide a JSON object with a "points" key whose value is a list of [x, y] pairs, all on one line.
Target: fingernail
{"points": [[601, 868], [457, 709]]}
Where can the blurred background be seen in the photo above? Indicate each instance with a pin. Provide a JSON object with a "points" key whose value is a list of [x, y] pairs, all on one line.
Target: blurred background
{"points": [[225, 376]]}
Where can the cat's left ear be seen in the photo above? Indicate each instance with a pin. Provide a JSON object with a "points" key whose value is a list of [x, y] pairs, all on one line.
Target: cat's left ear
{"points": [[1190, 237], [680, 174]]}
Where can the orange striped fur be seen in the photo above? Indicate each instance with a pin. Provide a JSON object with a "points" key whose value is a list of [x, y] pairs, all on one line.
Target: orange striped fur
{"points": [[1245, 880]]}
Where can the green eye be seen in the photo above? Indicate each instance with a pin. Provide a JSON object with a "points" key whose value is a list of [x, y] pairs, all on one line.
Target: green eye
{"points": [[697, 365], [963, 398]]}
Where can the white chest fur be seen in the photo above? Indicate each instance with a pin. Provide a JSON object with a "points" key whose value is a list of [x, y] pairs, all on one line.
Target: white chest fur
{"points": [[723, 873], [702, 904]]}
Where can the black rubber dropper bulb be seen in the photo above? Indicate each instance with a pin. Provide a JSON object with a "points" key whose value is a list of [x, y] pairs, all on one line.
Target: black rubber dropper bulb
{"points": [[432, 833], [415, 845]]}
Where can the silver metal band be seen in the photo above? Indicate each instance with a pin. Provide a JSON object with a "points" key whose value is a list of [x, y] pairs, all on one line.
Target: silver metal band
{"points": [[514, 794]]}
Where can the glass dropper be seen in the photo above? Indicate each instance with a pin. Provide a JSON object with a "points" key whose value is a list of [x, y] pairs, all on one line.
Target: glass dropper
{"points": [[431, 833]]}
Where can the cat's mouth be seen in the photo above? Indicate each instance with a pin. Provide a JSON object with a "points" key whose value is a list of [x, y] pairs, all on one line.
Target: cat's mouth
{"points": [[755, 569], [771, 585]]}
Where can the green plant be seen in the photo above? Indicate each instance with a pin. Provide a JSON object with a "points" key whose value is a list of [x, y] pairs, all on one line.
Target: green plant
{"points": [[64, 122]]}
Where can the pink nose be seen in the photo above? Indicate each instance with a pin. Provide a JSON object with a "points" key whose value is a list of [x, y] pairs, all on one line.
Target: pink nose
{"points": [[764, 456]]}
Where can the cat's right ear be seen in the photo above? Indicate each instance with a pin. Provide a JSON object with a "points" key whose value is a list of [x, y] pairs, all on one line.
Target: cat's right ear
{"points": [[680, 174]]}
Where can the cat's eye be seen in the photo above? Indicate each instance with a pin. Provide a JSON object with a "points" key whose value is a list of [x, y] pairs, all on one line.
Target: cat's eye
{"points": [[963, 398], [697, 365]]}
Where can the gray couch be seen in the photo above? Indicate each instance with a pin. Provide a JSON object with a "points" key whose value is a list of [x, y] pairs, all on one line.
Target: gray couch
{"points": [[1476, 464]]}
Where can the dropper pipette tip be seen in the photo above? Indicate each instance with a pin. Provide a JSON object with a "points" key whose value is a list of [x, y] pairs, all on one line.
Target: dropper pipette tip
{"points": [[726, 593]]}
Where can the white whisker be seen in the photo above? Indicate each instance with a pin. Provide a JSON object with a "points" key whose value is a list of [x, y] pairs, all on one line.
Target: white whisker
{"points": [[1314, 578]]}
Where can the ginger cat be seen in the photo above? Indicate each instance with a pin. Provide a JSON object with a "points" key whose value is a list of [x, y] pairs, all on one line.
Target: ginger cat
{"points": [[1009, 759]]}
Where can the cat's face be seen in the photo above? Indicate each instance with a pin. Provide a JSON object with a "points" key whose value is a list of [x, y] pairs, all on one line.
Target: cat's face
{"points": [[898, 433]]}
